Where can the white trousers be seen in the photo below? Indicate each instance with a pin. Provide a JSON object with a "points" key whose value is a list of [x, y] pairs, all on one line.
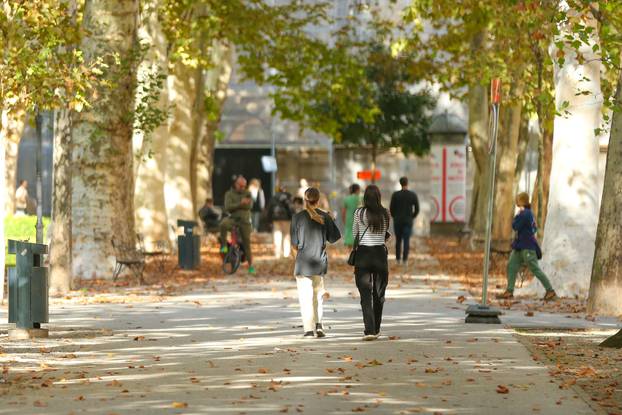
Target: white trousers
{"points": [[311, 298], [282, 239]]}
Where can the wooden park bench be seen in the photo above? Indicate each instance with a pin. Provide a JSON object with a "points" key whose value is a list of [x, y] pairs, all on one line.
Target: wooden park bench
{"points": [[130, 257]]}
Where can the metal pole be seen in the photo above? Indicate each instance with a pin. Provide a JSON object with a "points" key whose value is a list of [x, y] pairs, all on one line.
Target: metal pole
{"points": [[39, 183], [492, 164]]}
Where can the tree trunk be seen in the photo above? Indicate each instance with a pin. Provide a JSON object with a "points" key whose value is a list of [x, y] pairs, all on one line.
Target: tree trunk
{"points": [[60, 246], [103, 179], [183, 92], [216, 83], [523, 144], [605, 295], [614, 341], [14, 131], [4, 119], [198, 136], [505, 180], [374, 154], [571, 219], [543, 180], [478, 136], [151, 216]]}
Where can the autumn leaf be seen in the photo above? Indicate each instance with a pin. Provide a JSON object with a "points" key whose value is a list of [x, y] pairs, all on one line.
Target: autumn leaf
{"points": [[502, 389], [179, 405], [461, 299]]}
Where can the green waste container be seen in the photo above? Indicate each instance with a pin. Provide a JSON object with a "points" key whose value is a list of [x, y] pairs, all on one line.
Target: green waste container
{"points": [[28, 285], [189, 245]]}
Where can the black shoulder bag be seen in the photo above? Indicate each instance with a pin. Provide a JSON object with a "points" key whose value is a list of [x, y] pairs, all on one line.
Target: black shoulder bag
{"points": [[352, 257]]}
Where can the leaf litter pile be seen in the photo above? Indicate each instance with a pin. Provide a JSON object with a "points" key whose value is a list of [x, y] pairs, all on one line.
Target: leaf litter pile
{"points": [[575, 360]]}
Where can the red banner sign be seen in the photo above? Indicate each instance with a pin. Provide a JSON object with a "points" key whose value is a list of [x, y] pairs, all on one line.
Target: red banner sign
{"points": [[366, 175]]}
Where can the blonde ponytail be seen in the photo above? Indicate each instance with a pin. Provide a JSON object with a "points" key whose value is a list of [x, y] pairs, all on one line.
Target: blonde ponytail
{"points": [[312, 196]]}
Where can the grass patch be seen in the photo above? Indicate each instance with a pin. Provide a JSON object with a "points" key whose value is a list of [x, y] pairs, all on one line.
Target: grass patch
{"points": [[21, 228]]}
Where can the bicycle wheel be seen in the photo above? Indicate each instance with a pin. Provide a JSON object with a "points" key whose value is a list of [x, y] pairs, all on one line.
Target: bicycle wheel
{"points": [[231, 262]]}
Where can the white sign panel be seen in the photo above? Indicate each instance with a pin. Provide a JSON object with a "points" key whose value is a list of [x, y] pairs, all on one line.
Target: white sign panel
{"points": [[448, 183]]}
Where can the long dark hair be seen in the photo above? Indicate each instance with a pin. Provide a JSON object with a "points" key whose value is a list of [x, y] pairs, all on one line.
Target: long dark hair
{"points": [[377, 215]]}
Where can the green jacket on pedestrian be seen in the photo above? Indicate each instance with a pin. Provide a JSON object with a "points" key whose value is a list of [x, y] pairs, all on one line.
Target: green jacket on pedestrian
{"points": [[234, 206]]}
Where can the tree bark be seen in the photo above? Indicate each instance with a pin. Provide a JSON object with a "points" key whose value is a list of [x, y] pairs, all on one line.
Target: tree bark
{"points": [[14, 130], [151, 216], [198, 136], [60, 257], [103, 179], [216, 84], [183, 92], [543, 179], [605, 296], [614, 341], [478, 136], [571, 219], [523, 144], [505, 181], [4, 119]]}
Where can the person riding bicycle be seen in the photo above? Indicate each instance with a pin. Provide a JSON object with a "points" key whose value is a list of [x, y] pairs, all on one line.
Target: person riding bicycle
{"points": [[238, 204]]}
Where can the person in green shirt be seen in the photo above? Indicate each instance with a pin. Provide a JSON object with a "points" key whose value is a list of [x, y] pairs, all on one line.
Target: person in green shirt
{"points": [[350, 204], [238, 204]]}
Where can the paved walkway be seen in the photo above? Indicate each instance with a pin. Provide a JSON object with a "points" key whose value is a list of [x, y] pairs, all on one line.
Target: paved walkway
{"points": [[235, 349]]}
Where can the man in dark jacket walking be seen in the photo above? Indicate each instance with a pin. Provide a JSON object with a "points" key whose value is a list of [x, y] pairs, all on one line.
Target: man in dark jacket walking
{"points": [[280, 212], [404, 209]]}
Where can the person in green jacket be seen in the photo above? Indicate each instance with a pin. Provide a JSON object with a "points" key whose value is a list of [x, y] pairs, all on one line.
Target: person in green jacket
{"points": [[350, 204], [238, 204]]}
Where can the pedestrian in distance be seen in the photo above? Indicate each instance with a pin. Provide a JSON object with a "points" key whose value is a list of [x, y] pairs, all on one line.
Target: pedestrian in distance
{"points": [[371, 270], [311, 230], [298, 204], [209, 216], [259, 202], [350, 204], [21, 198], [404, 208], [525, 250], [279, 214], [238, 204]]}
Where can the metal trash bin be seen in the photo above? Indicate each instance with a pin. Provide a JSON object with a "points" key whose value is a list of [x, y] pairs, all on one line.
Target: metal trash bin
{"points": [[189, 245], [28, 286]]}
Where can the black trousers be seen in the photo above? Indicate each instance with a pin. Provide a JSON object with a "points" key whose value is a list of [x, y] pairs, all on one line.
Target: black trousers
{"points": [[372, 276], [402, 238]]}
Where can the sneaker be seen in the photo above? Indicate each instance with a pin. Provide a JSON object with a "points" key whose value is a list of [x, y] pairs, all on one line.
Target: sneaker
{"points": [[251, 270], [224, 249], [506, 295], [319, 330], [550, 295], [308, 335], [370, 337]]}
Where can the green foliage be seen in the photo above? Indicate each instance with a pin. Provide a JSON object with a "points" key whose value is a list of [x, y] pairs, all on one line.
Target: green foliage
{"points": [[38, 65], [401, 119], [274, 45], [21, 228]]}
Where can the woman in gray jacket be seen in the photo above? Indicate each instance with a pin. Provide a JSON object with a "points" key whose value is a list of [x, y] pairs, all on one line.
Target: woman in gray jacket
{"points": [[310, 230]]}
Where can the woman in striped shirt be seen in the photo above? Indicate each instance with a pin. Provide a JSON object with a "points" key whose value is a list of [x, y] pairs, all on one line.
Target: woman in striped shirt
{"points": [[371, 224]]}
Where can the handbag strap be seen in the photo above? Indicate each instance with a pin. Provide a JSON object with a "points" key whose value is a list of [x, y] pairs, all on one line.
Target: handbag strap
{"points": [[357, 241]]}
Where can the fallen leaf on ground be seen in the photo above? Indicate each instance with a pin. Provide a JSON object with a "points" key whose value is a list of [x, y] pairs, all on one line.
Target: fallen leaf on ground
{"points": [[502, 389], [179, 405]]}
